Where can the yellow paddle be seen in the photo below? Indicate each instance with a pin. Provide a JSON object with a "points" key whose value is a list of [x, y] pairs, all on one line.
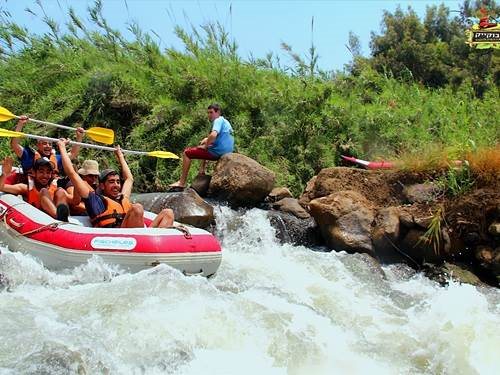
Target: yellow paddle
{"points": [[155, 154], [98, 134]]}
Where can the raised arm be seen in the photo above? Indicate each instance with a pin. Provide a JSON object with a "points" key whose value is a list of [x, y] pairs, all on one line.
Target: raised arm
{"points": [[14, 142], [75, 149], [128, 179], [11, 189], [81, 187]]}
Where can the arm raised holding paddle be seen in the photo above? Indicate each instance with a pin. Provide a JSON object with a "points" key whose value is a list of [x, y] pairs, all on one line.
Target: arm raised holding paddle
{"points": [[44, 148], [110, 206], [81, 187]]}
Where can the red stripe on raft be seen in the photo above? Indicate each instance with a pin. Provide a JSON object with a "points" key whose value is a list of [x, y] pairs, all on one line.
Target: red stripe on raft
{"points": [[198, 243]]}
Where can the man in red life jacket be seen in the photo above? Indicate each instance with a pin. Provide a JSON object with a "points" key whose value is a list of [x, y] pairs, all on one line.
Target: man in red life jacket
{"points": [[44, 149], [110, 206], [41, 190]]}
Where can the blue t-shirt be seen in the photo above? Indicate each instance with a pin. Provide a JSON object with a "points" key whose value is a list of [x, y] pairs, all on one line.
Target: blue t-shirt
{"points": [[224, 143], [94, 204], [28, 157]]}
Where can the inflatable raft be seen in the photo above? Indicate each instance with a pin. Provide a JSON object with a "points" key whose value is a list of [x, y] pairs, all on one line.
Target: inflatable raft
{"points": [[60, 245]]}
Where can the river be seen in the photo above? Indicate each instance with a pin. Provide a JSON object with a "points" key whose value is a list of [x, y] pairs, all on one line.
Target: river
{"points": [[271, 309]]}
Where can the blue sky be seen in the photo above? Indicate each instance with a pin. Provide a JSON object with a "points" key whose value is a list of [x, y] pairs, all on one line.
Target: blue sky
{"points": [[258, 27]]}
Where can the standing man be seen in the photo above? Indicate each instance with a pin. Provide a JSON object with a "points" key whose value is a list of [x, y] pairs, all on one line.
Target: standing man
{"points": [[44, 149], [220, 141], [111, 206]]}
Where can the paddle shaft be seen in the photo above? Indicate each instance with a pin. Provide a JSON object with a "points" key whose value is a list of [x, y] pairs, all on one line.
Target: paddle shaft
{"points": [[88, 145], [47, 123]]}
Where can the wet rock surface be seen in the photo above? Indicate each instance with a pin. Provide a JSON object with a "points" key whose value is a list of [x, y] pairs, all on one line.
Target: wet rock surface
{"points": [[291, 229], [188, 206]]}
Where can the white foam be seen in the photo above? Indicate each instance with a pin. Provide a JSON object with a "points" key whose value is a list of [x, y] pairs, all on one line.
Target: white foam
{"points": [[271, 309]]}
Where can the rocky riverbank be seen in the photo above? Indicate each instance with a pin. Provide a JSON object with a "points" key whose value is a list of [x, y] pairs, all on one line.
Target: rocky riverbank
{"points": [[393, 216]]}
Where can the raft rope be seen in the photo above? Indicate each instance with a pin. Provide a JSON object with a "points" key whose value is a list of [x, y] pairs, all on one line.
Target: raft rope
{"points": [[182, 229], [52, 226]]}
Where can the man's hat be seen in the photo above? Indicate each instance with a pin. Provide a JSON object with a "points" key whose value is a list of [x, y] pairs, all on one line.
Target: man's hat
{"points": [[42, 162], [89, 167], [105, 173]]}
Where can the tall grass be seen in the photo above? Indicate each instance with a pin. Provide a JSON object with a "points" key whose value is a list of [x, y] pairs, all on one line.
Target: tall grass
{"points": [[293, 124]]}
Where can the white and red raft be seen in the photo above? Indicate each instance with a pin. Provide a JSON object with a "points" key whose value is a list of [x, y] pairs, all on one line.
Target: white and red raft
{"points": [[62, 245]]}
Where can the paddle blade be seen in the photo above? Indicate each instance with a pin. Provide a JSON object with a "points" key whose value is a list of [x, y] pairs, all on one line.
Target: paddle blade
{"points": [[101, 135], [6, 115], [10, 133], [163, 155]]}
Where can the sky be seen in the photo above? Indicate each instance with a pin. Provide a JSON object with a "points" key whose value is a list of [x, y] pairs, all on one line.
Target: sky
{"points": [[258, 27]]}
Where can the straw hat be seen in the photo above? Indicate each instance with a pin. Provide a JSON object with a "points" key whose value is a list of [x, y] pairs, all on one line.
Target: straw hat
{"points": [[89, 167]]}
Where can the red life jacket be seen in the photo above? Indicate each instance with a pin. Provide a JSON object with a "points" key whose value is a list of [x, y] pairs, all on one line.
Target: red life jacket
{"points": [[33, 195], [114, 214]]}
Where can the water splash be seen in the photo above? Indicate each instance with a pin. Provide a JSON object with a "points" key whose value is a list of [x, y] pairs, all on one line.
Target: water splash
{"points": [[271, 308]]}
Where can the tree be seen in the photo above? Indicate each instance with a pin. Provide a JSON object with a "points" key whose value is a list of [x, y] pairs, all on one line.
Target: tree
{"points": [[432, 52]]}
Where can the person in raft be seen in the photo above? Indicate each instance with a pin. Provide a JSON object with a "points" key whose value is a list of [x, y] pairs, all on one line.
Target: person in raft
{"points": [[110, 205], [44, 149], [41, 190], [89, 172], [220, 141]]}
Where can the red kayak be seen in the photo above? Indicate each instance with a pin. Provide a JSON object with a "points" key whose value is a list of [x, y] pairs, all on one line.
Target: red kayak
{"points": [[383, 164]]}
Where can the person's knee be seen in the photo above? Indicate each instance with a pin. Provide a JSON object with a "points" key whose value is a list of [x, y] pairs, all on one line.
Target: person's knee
{"points": [[165, 218], [60, 194], [136, 209], [167, 212]]}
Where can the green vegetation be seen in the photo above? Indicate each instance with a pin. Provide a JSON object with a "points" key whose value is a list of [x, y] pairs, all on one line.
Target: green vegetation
{"points": [[433, 235], [457, 180], [294, 120]]}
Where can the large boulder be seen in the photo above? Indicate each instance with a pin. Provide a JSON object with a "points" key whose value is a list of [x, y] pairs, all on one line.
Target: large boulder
{"points": [[240, 180], [188, 206], [345, 220], [376, 186]]}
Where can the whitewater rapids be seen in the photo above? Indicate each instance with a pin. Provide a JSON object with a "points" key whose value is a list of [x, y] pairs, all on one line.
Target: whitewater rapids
{"points": [[271, 309]]}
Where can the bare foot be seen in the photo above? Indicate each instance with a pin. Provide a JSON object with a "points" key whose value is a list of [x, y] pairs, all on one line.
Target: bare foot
{"points": [[177, 185]]}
